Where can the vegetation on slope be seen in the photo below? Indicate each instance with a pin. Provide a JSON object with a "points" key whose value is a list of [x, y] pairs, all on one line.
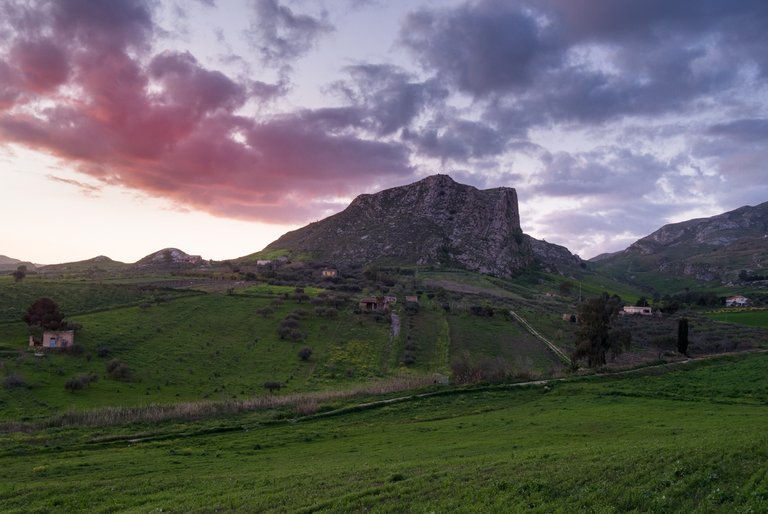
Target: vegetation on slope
{"points": [[687, 441]]}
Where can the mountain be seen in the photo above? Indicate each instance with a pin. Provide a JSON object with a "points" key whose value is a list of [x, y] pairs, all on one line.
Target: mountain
{"points": [[168, 257], [433, 221], [709, 249], [11, 264]]}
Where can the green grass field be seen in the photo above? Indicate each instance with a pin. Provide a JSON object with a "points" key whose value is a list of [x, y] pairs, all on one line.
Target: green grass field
{"points": [[689, 440], [753, 318]]}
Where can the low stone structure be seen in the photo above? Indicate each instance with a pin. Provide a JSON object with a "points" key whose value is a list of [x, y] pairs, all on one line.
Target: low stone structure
{"points": [[54, 339]]}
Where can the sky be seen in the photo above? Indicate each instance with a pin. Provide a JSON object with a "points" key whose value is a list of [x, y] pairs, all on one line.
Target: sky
{"points": [[214, 126]]}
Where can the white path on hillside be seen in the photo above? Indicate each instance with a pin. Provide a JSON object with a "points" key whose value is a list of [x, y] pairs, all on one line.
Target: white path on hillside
{"points": [[557, 351]]}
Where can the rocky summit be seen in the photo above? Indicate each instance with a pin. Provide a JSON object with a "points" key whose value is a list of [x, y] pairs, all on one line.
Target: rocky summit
{"points": [[435, 221]]}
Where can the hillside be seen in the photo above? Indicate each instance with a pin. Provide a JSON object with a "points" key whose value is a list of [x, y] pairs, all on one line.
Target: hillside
{"points": [[97, 264], [435, 221], [715, 249], [8, 264]]}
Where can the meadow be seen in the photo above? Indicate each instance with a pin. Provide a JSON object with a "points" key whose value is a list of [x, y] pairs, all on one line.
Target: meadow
{"points": [[686, 439], [750, 317]]}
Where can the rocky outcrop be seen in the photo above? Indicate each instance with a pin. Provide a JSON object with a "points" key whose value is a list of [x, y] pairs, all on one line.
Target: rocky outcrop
{"points": [[168, 257], [433, 221]]}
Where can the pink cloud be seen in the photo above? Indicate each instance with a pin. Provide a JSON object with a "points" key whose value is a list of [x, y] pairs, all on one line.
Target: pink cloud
{"points": [[42, 64], [165, 125]]}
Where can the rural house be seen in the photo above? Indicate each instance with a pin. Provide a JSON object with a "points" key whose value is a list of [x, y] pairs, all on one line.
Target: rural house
{"points": [[329, 273], [736, 301], [54, 339], [633, 309]]}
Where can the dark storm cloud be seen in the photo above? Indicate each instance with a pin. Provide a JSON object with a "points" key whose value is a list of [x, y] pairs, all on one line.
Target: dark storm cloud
{"points": [[481, 48], [457, 140], [590, 61], [280, 35]]}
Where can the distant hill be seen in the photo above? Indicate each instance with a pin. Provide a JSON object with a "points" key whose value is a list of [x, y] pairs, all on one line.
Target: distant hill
{"points": [[96, 264], [8, 264], [707, 249], [433, 221], [168, 258]]}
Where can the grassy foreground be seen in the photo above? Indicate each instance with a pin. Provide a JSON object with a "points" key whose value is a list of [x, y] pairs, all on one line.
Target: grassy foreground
{"points": [[690, 440]]}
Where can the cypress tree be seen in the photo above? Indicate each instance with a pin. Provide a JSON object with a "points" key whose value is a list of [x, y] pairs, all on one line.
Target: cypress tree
{"points": [[682, 336]]}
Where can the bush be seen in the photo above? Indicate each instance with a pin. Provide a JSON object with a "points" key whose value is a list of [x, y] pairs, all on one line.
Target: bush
{"points": [[305, 353], [118, 370], [14, 381], [80, 381], [103, 351], [272, 386]]}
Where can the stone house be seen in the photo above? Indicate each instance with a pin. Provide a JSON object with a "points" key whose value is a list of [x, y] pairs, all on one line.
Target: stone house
{"points": [[54, 339]]}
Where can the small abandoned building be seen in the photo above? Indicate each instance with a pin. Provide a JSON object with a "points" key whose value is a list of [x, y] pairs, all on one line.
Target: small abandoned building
{"points": [[376, 303], [54, 339], [736, 301], [411, 299], [329, 273], [633, 309]]}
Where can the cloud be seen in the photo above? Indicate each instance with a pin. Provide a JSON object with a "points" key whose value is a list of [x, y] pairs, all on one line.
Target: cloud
{"points": [[589, 61], [85, 189], [482, 47], [387, 98], [165, 125], [280, 35]]}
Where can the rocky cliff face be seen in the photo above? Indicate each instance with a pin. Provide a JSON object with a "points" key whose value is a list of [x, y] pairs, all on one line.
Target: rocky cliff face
{"points": [[433, 221]]}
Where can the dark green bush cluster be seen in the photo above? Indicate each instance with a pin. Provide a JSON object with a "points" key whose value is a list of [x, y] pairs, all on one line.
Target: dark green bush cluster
{"points": [[272, 386], [305, 353], [326, 312], [289, 326], [80, 381], [118, 370]]}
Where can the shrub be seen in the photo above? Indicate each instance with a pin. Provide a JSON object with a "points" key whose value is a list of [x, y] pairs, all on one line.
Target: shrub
{"points": [[305, 353], [118, 370], [272, 386], [103, 351], [80, 381], [14, 381]]}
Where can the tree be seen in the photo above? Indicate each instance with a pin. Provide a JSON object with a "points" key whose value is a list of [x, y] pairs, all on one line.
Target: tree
{"points": [[566, 287], [44, 314], [20, 273], [272, 386], [682, 336], [595, 337]]}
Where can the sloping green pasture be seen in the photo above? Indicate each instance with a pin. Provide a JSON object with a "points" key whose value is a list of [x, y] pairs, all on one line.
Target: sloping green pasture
{"points": [[203, 347], [691, 440]]}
